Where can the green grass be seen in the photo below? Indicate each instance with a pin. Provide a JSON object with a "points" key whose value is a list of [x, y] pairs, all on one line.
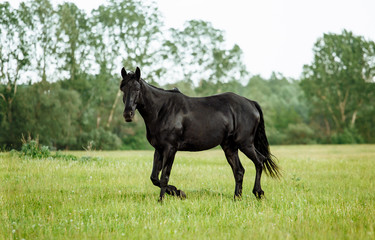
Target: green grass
{"points": [[327, 192]]}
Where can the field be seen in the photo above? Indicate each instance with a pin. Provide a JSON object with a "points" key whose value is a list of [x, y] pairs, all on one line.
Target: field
{"points": [[327, 192]]}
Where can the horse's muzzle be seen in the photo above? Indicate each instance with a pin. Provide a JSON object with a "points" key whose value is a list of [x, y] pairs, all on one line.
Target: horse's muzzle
{"points": [[128, 115]]}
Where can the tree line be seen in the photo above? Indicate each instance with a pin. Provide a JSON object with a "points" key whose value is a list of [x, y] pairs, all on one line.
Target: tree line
{"points": [[59, 77]]}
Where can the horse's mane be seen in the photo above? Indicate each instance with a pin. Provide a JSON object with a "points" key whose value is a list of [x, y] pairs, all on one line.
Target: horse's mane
{"points": [[174, 90]]}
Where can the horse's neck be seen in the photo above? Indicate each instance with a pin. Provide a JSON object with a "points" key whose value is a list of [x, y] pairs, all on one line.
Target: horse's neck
{"points": [[152, 100]]}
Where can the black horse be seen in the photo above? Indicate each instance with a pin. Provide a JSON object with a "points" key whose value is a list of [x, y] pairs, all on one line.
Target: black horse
{"points": [[178, 122]]}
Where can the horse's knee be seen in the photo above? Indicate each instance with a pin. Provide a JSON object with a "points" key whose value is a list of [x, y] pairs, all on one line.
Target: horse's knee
{"points": [[155, 181]]}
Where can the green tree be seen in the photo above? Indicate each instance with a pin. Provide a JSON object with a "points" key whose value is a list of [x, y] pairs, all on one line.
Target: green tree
{"points": [[48, 112], [14, 58], [340, 80], [285, 110], [73, 43], [42, 22], [126, 33], [74, 49], [366, 123], [199, 53], [130, 33]]}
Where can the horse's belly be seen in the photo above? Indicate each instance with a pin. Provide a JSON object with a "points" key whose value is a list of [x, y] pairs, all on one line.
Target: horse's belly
{"points": [[199, 139], [193, 147]]}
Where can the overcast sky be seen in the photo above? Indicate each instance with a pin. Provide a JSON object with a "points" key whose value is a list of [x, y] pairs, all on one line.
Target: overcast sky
{"points": [[275, 35]]}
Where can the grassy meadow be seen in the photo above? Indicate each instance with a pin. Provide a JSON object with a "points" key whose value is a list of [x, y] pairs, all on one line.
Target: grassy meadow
{"points": [[327, 192]]}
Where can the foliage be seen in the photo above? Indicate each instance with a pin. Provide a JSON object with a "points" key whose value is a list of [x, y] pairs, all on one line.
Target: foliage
{"points": [[340, 81], [365, 126], [14, 57], [326, 193], [127, 32], [301, 133], [100, 139], [69, 96], [347, 136], [72, 35], [283, 106], [32, 149], [198, 53], [134, 135], [48, 111], [41, 23]]}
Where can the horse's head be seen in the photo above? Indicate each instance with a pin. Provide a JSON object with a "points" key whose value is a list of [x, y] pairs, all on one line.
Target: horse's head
{"points": [[131, 87]]}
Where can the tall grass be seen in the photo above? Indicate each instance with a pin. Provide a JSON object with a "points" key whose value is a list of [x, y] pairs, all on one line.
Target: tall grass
{"points": [[327, 192]]}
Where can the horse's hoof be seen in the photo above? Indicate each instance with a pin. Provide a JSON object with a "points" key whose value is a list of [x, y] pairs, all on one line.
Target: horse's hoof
{"points": [[237, 198], [172, 190], [181, 194], [259, 194], [161, 198]]}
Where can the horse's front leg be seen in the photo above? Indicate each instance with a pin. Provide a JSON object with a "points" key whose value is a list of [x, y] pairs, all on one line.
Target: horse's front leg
{"points": [[168, 159], [157, 166]]}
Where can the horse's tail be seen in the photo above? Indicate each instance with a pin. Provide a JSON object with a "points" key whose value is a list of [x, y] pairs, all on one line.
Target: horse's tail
{"points": [[262, 147]]}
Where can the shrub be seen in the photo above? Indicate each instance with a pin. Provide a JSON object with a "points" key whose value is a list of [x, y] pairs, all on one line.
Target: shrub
{"points": [[347, 136], [274, 136], [100, 139], [299, 133], [31, 148]]}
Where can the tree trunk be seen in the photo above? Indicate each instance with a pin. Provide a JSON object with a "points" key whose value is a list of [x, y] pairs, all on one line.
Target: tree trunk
{"points": [[113, 108], [342, 106], [328, 128], [10, 112], [9, 100], [98, 118], [354, 117]]}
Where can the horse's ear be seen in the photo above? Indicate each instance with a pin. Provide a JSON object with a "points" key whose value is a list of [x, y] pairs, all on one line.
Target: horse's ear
{"points": [[138, 73], [123, 72]]}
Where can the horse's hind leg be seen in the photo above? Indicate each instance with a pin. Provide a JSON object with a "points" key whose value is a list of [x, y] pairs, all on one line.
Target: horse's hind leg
{"points": [[231, 153], [249, 151]]}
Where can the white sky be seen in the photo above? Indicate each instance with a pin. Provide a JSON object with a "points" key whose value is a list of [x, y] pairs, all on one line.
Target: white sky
{"points": [[275, 35]]}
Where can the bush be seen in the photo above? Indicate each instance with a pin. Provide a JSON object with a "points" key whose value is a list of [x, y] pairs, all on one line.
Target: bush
{"points": [[348, 136], [31, 148], [274, 136], [299, 133], [100, 139]]}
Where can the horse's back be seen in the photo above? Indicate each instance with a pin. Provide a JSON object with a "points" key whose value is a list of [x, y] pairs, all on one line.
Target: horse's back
{"points": [[228, 103]]}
